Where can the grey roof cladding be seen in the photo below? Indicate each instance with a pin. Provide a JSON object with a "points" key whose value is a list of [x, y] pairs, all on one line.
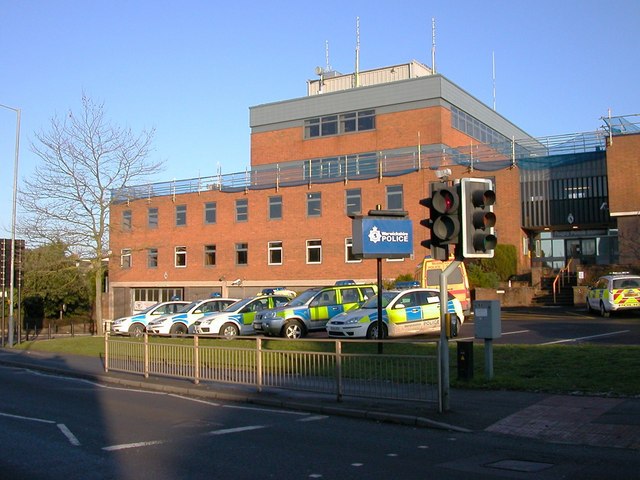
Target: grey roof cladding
{"points": [[391, 97]]}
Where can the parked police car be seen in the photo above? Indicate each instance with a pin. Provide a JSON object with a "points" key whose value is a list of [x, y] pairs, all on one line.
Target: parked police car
{"points": [[237, 319], [404, 312], [134, 325], [613, 293], [178, 323]]}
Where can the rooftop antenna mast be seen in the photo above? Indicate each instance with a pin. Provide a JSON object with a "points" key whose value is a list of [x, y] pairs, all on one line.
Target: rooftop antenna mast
{"points": [[326, 55], [433, 45], [493, 59], [357, 74]]}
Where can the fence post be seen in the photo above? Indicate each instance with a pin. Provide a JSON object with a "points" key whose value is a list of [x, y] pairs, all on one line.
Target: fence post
{"points": [[146, 355], [196, 360], [339, 369], [259, 364], [106, 348]]}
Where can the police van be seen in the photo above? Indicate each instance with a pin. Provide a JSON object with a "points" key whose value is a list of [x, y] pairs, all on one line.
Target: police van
{"points": [[428, 276]]}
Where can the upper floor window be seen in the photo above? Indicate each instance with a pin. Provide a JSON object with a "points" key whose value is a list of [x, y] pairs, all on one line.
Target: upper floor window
{"points": [[314, 204], [242, 210], [126, 220], [349, 257], [275, 208], [353, 201], [152, 257], [242, 253], [275, 253], [338, 124], [209, 255], [181, 215], [394, 197], [125, 258], [210, 213], [314, 251], [152, 217], [181, 257]]}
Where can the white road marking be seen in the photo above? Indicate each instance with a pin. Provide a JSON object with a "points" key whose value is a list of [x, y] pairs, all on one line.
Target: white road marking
{"points": [[73, 440], [31, 419], [124, 446], [578, 339], [313, 418], [235, 430], [515, 332]]}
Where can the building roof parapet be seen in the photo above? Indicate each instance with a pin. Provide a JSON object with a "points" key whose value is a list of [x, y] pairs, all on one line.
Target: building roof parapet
{"points": [[537, 153]]}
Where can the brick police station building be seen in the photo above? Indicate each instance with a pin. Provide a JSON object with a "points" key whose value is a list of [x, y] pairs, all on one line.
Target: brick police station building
{"points": [[357, 141]]}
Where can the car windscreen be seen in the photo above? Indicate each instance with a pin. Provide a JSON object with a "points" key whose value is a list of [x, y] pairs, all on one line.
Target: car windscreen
{"points": [[373, 301], [303, 298], [234, 307]]}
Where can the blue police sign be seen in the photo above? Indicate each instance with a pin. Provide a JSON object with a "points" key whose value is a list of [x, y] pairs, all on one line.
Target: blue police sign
{"points": [[379, 237]]}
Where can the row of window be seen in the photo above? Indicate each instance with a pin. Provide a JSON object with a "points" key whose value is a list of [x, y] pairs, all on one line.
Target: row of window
{"points": [[353, 206], [275, 254], [339, 124]]}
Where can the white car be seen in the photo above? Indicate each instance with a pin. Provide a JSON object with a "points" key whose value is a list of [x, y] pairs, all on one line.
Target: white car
{"points": [[613, 293], [404, 312], [237, 319], [134, 325], [178, 323]]}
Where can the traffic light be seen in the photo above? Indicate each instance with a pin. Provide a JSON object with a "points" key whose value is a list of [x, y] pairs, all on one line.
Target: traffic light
{"points": [[443, 221], [478, 220]]}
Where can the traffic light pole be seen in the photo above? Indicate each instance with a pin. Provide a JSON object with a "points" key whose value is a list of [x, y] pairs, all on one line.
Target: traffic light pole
{"points": [[443, 377]]}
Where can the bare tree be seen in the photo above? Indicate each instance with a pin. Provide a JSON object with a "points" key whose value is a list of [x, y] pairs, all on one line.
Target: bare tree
{"points": [[85, 160]]}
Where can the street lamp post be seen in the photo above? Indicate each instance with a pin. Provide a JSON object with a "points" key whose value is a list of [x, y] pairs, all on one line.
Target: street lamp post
{"points": [[13, 224]]}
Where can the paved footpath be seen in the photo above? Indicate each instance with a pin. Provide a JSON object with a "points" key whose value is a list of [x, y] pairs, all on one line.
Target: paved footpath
{"points": [[580, 420]]}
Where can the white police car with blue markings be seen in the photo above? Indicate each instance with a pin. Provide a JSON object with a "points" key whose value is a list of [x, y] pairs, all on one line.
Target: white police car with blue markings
{"points": [[135, 325], [178, 323], [404, 312], [238, 318]]}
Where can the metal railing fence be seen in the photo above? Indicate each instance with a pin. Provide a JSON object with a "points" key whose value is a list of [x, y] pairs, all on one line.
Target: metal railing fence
{"points": [[404, 370]]}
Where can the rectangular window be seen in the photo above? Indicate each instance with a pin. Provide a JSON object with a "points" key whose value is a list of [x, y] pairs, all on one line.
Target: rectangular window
{"points": [[181, 257], [314, 251], [209, 255], [328, 125], [275, 208], [275, 253], [242, 210], [181, 215], [394, 197], [152, 257], [125, 258], [353, 200], [314, 204], [126, 220], [344, 123], [348, 251], [152, 217], [242, 253], [209, 213]]}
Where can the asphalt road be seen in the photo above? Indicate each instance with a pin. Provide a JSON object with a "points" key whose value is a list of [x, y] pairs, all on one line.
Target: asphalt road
{"points": [[63, 428]]}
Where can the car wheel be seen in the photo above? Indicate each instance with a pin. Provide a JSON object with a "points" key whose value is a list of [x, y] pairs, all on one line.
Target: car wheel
{"points": [[603, 311], [293, 330], [372, 332], [178, 329], [136, 330], [229, 330]]}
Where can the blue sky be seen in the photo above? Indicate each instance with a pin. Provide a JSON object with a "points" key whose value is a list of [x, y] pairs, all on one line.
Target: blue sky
{"points": [[191, 69]]}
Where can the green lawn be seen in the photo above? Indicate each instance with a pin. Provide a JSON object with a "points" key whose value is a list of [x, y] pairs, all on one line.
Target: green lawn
{"points": [[585, 369]]}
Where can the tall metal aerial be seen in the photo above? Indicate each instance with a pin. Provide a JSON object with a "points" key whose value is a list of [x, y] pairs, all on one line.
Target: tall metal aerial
{"points": [[356, 79], [433, 45]]}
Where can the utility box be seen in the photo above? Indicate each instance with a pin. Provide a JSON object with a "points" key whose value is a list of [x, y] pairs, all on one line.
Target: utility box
{"points": [[487, 319]]}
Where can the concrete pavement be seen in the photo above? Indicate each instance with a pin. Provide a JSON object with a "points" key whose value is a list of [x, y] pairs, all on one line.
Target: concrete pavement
{"points": [[582, 420]]}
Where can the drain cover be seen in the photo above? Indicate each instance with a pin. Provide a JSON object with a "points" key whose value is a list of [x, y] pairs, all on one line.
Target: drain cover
{"points": [[520, 465]]}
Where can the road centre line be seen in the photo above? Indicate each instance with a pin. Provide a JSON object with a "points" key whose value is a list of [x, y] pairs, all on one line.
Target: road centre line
{"points": [[503, 333], [124, 446], [578, 339]]}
